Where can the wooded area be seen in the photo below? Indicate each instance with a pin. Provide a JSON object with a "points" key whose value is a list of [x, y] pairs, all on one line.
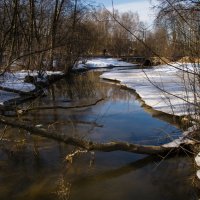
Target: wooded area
{"points": [[44, 34]]}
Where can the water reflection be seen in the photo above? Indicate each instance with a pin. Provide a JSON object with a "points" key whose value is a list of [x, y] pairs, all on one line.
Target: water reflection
{"points": [[138, 180], [35, 168]]}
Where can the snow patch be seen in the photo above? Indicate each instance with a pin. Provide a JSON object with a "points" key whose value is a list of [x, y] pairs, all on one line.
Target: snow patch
{"points": [[96, 63], [178, 142], [163, 88], [198, 174], [15, 81], [182, 139], [197, 160]]}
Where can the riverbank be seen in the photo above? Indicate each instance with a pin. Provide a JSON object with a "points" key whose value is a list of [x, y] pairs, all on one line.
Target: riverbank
{"points": [[20, 86]]}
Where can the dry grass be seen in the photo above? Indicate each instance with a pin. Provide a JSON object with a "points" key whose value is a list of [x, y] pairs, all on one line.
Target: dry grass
{"points": [[188, 59], [160, 60]]}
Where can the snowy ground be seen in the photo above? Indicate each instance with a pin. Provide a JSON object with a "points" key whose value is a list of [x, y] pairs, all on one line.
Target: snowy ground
{"points": [[97, 63], [16, 81], [164, 88]]}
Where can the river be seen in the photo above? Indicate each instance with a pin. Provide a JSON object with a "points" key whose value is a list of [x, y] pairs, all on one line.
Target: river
{"points": [[36, 168]]}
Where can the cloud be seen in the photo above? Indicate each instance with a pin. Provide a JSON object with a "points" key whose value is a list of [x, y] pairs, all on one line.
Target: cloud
{"points": [[143, 8]]}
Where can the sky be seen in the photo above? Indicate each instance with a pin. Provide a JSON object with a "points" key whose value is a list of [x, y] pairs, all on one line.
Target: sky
{"points": [[142, 7]]}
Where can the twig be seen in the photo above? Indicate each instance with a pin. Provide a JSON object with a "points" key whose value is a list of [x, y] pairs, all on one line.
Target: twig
{"points": [[61, 107]]}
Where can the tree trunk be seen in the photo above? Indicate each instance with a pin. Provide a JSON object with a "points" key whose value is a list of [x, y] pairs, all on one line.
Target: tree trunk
{"points": [[1, 56]]}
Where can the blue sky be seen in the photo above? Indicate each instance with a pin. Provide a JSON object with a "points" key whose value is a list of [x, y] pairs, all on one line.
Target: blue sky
{"points": [[142, 7]]}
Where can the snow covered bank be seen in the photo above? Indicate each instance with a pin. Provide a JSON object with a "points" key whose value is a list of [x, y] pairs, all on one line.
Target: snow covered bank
{"points": [[164, 88], [96, 63], [16, 82], [184, 139]]}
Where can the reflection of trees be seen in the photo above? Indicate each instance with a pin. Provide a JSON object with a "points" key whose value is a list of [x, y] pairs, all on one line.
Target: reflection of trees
{"points": [[150, 169]]}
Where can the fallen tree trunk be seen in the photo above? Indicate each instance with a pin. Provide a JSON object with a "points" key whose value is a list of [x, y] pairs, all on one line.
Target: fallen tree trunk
{"points": [[33, 93], [93, 146], [7, 89]]}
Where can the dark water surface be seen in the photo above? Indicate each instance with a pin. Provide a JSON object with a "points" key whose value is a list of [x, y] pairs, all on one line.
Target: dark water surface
{"points": [[35, 168]]}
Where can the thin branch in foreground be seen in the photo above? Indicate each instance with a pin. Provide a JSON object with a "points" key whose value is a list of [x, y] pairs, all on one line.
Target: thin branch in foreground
{"points": [[69, 157]]}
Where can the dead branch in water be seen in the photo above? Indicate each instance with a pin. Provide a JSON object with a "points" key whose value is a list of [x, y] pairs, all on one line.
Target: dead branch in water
{"points": [[7, 89], [61, 107], [93, 146]]}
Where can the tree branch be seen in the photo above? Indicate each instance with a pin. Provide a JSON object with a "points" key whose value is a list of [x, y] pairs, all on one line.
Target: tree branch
{"points": [[93, 146], [61, 107], [16, 91]]}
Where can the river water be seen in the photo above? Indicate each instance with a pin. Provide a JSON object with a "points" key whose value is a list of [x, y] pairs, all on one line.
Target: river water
{"points": [[35, 168]]}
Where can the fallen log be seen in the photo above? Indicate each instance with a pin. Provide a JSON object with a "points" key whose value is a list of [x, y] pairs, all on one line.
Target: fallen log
{"points": [[7, 89], [93, 146]]}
